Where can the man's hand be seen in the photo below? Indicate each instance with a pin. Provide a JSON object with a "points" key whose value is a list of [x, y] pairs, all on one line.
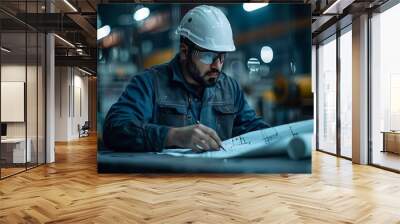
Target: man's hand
{"points": [[197, 137]]}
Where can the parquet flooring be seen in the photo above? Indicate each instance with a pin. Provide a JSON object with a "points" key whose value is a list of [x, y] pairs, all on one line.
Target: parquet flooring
{"points": [[10, 171], [71, 191], [387, 159]]}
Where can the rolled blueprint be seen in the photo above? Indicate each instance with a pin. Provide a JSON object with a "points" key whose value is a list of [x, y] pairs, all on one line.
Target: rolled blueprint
{"points": [[300, 147], [260, 143]]}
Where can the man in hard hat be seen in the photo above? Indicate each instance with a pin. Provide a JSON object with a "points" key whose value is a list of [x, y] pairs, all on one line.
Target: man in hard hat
{"points": [[188, 102]]}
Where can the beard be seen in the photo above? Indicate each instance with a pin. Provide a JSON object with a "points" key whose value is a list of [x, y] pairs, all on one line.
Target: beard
{"points": [[196, 74]]}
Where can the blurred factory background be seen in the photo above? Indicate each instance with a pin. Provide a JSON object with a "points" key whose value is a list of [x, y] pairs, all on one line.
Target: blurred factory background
{"points": [[272, 62]]}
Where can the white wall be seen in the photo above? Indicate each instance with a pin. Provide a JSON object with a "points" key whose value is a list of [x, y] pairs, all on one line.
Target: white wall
{"points": [[15, 72], [80, 89], [62, 81], [71, 87]]}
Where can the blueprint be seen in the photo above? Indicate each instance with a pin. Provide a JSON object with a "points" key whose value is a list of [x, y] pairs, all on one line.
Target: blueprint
{"points": [[261, 143]]}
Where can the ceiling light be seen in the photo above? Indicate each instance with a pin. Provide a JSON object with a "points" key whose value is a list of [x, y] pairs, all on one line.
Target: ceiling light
{"points": [[70, 5], [65, 41], [141, 14], [331, 7], [248, 7], [266, 54], [5, 50], [337, 7], [103, 32], [84, 71], [80, 45]]}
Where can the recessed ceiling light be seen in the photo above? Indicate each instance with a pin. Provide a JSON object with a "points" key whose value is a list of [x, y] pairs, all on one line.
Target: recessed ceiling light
{"points": [[5, 50], [103, 32], [84, 71], [65, 41], [141, 14], [267, 54], [70, 5], [248, 7]]}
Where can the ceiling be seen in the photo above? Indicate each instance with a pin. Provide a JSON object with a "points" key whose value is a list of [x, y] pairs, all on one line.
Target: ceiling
{"points": [[76, 22]]}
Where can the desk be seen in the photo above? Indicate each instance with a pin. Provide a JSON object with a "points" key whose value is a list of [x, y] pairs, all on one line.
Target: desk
{"points": [[13, 150], [391, 141], [119, 162]]}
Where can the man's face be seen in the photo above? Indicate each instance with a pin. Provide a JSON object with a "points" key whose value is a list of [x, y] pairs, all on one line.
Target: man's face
{"points": [[203, 73]]}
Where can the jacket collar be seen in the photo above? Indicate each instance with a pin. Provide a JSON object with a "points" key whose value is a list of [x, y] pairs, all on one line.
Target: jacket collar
{"points": [[176, 70]]}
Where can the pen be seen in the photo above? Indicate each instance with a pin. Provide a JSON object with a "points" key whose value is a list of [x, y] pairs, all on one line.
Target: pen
{"points": [[219, 145]]}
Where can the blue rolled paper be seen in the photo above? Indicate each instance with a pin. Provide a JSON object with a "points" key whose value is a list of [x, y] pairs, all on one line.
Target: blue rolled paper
{"points": [[261, 143], [300, 147]]}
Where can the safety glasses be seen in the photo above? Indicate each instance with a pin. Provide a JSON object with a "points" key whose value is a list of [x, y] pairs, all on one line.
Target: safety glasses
{"points": [[208, 57]]}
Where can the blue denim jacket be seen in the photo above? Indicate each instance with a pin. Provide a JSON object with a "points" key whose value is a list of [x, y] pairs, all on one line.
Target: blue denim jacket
{"points": [[159, 98]]}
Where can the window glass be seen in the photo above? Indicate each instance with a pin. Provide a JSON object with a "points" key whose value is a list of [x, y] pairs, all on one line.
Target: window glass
{"points": [[385, 84], [346, 94], [327, 96]]}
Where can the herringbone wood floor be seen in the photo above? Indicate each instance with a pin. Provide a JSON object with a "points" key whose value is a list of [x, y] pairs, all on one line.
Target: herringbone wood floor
{"points": [[71, 191]]}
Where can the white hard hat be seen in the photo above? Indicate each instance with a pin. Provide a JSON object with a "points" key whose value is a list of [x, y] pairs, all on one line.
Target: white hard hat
{"points": [[207, 27]]}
